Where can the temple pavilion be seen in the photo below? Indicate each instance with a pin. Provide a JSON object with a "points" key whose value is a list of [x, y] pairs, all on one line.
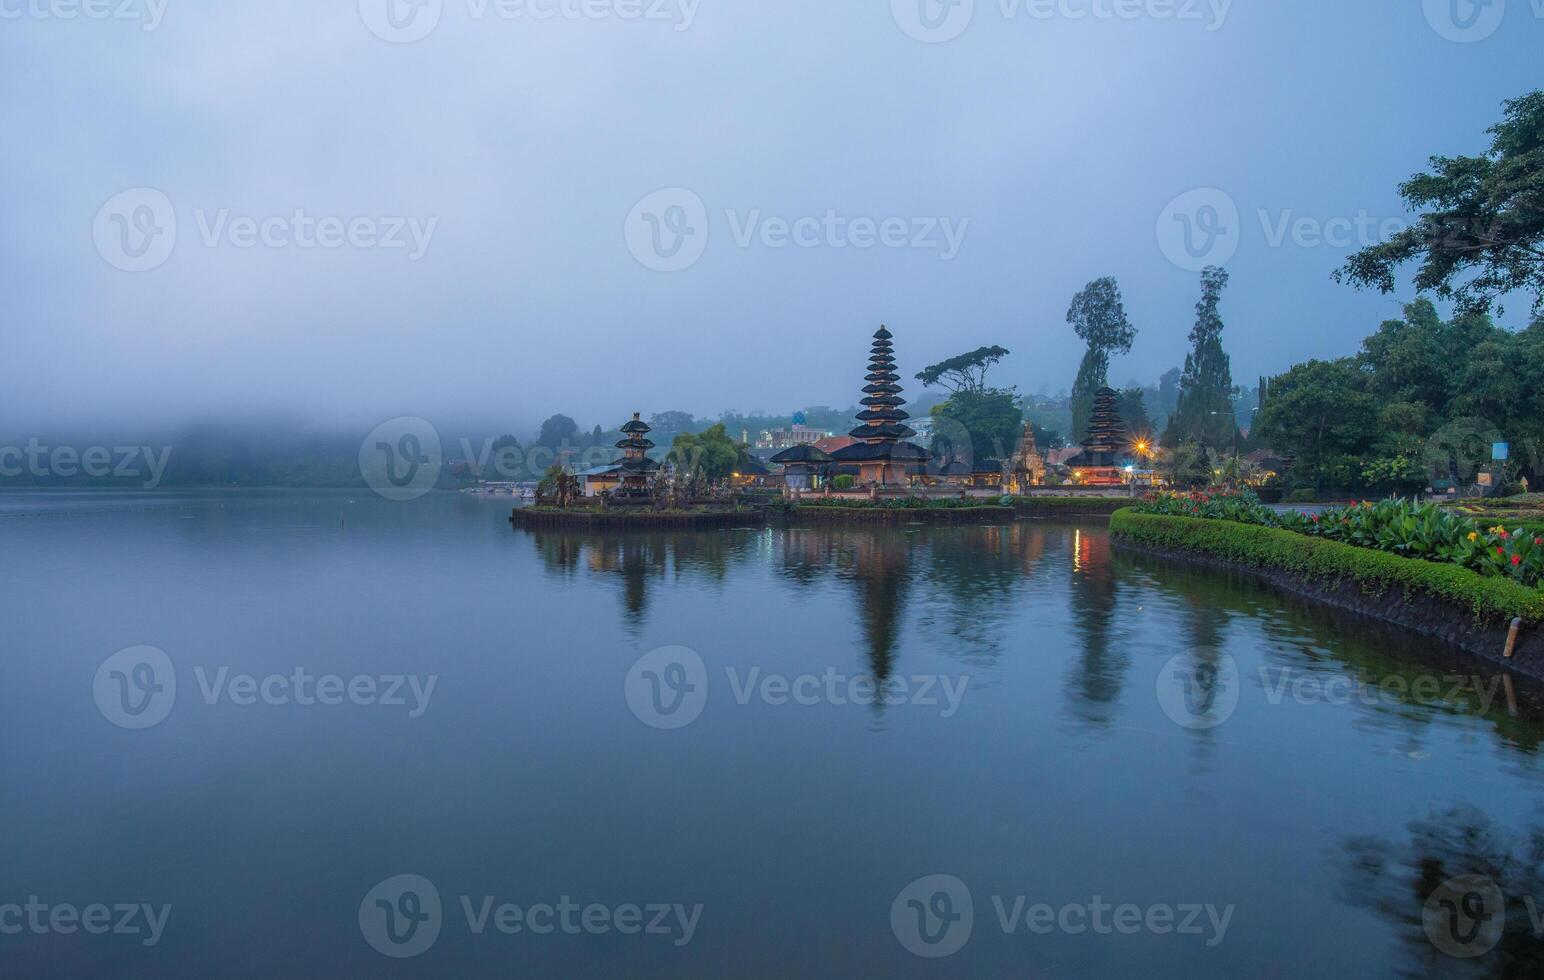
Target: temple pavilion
{"points": [[881, 455], [635, 466], [1099, 463]]}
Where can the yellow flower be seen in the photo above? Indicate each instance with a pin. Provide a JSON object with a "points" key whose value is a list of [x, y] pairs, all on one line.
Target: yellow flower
{"points": [[1473, 535]]}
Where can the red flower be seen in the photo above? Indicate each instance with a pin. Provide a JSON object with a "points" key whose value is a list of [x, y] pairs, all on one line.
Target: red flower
{"points": [[1538, 540], [1500, 551], [1517, 559]]}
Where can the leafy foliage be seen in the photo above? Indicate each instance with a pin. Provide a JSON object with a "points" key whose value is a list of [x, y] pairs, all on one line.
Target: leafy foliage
{"points": [[710, 454], [1481, 229]]}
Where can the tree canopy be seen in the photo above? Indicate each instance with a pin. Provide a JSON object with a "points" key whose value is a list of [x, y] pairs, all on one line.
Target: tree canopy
{"points": [[710, 454], [1480, 233], [1423, 398], [1098, 317], [557, 431], [965, 373]]}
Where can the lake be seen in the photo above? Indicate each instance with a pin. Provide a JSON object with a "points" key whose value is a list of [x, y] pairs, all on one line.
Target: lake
{"points": [[321, 734]]}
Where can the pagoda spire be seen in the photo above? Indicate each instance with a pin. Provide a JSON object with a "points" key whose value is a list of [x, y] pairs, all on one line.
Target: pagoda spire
{"points": [[880, 454]]}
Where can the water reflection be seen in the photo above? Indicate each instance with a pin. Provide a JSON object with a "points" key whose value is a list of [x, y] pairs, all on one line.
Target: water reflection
{"points": [[1463, 894], [640, 560]]}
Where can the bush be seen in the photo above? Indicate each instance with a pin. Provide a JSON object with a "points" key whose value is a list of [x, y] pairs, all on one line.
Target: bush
{"points": [[843, 482], [1302, 495], [904, 503], [1489, 598], [1400, 527]]}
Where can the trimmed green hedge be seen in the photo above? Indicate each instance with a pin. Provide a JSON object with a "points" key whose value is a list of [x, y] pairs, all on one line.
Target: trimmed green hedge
{"points": [[1377, 572], [1081, 503]]}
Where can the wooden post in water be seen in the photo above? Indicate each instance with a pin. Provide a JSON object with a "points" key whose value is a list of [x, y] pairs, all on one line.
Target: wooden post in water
{"points": [[1511, 637]]}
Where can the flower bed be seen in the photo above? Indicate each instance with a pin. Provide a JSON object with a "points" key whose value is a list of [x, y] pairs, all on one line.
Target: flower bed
{"points": [[1398, 527]]}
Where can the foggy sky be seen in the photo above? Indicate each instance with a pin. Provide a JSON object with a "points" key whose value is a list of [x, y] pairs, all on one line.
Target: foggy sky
{"points": [[1056, 143]]}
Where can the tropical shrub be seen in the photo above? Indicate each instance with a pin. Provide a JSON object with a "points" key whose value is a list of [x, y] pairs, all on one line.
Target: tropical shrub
{"points": [[1400, 527]]}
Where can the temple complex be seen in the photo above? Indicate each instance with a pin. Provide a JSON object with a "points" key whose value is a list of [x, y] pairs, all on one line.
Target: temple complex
{"points": [[1099, 463], [881, 456], [636, 468]]}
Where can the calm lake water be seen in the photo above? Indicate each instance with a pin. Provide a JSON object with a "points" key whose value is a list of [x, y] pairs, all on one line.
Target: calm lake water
{"points": [[1161, 771]]}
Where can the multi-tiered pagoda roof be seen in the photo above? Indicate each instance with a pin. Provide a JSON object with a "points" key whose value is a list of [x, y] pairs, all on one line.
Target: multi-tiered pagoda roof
{"points": [[1106, 441], [882, 423], [635, 464]]}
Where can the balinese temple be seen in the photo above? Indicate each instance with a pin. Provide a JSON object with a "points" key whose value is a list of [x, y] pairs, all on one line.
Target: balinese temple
{"points": [[1027, 467], [805, 466], [635, 465], [1099, 462], [881, 454]]}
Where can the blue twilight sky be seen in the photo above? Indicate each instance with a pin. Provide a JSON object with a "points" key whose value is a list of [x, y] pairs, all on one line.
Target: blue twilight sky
{"points": [[497, 247]]}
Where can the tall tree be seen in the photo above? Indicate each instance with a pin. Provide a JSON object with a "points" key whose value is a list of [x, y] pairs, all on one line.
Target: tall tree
{"points": [[1098, 317], [1481, 230], [1204, 414]]}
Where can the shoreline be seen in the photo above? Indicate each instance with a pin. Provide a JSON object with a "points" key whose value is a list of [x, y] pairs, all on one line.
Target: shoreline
{"points": [[1333, 580]]}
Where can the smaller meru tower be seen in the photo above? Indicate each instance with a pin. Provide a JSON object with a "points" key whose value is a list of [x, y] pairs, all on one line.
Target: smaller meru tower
{"points": [[635, 464]]}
